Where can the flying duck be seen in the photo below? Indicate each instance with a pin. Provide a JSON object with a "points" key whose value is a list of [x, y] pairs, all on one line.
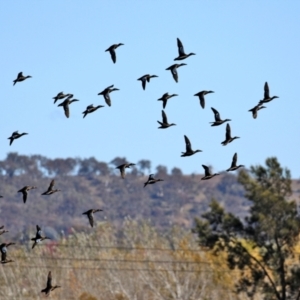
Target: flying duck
{"points": [[189, 151], [228, 138], [181, 53], [3, 250], [173, 70], [164, 124], [208, 174], [151, 180], [267, 97], [146, 78], [65, 104], [106, 92], [123, 167], [218, 120], [233, 164], [91, 108], [60, 96], [49, 288], [38, 237], [15, 135], [112, 51], [201, 97], [255, 109], [50, 190], [165, 97], [90, 215], [20, 77], [25, 190]]}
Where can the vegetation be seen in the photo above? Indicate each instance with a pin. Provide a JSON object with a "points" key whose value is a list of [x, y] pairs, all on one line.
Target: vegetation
{"points": [[263, 247]]}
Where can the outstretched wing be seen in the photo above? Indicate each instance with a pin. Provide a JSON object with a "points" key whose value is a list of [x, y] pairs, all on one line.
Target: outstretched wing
{"points": [[187, 144], [267, 93], [164, 117], [49, 280], [228, 132], [217, 115], [206, 170], [113, 55], [234, 160], [180, 47], [91, 218]]}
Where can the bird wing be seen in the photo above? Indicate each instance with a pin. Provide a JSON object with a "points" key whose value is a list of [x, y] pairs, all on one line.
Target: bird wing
{"points": [[20, 75], [206, 170], [266, 94], [164, 117], [51, 185], [66, 109], [187, 144], [234, 160], [3, 255], [107, 99], [91, 218], [217, 115], [228, 132], [49, 280], [202, 100], [113, 55], [175, 73], [24, 195], [144, 83], [180, 47], [38, 230]]}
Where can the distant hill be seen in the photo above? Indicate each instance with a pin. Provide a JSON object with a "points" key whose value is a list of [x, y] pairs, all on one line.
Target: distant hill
{"points": [[88, 183]]}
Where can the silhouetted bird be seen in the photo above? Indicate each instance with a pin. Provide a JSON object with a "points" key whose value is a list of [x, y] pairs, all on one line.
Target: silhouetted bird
{"points": [[90, 215], [228, 138], [255, 109], [66, 104], [50, 190], [25, 190], [60, 96], [15, 135], [189, 151], [165, 97], [91, 108], [38, 237], [151, 180], [201, 97], [267, 97], [49, 288], [208, 174], [146, 78], [233, 164], [173, 70], [218, 120], [20, 77], [181, 53], [106, 92], [112, 51], [123, 167], [3, 250], [164, 124]]}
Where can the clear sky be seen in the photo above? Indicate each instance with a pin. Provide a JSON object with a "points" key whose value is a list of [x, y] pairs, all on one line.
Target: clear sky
{"points": [[238, 46]]}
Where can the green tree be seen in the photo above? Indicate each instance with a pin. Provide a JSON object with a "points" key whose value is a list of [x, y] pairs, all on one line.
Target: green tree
{"points": [[263, 246]]}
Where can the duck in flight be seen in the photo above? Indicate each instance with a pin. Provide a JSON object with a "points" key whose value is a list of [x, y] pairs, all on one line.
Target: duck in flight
{"points": [[164, 124], [105, 94], [123, 167], [50, 190], [25, 190], [208, 174], [49, 288], [189, 151], [20, 78], [146, 78], [112, 51], [3, 250], [173, 70], [255, 109], [91, 108], [15, 135], [65, 104], [151, 180], [267, 97], [201, 97], [234, 166], [218, 120], [38, 237], [228, 138], [181, 54], [90, 215], [61, 96], [165, 97]]}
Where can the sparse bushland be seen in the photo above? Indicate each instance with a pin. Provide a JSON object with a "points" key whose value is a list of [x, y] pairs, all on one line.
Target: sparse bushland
{"points": [[134, 262]]}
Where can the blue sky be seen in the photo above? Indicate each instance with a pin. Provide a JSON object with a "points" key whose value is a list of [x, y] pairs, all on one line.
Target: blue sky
{"points": [[238, 47]]}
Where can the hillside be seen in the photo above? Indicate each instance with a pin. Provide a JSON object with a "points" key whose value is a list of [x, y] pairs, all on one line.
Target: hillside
{"points": [[88, 183]]}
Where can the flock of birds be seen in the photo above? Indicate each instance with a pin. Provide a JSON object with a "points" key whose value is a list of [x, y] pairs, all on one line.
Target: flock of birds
{"points": [[68, 99]]}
